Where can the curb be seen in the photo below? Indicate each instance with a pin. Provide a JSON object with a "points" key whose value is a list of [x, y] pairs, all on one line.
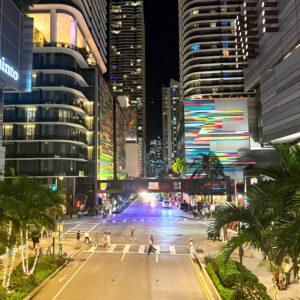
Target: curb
{"points": [[39, 287], [213, 293]]}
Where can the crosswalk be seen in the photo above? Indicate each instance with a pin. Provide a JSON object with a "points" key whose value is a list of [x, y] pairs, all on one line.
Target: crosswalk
{"points": [[140, 249], [155, 220], [82, 226]]}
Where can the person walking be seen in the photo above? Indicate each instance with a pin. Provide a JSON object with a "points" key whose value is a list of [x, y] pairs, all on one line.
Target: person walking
{"points": [[151, 248], [191, 245], [132, 234], [96, 240], [108, 240], [105, 239], [86, 237], [78, 237], [287, 268]]}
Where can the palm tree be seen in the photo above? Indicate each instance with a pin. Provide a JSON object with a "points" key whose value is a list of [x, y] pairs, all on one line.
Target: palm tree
{"points": [[210, 165], [24, 202], [24, 5], [272, 218], [180, 166]]}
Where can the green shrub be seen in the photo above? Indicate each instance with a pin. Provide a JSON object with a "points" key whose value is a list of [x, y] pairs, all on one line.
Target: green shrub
{"points": [[226, 294], [229, 274]]}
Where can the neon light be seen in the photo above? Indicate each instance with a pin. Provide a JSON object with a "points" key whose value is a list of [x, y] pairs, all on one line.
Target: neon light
{"points": [[8, 69]]}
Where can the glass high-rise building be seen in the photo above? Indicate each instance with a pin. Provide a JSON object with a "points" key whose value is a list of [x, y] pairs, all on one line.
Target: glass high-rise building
{"points": [[127, 67], [170, 101], [62, 131], [212, 96]]}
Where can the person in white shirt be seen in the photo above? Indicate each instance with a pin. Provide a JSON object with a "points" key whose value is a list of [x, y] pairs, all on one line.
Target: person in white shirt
{"points": [[86, 237], [108, 240]]}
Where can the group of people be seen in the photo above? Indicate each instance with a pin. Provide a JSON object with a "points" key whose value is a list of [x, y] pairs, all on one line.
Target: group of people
{"points": [[283, 278], [204, 210]]}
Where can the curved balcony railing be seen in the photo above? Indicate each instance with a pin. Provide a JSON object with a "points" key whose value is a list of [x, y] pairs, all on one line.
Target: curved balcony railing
{"points": [[46, 155], [87, 55], [38, 137]]}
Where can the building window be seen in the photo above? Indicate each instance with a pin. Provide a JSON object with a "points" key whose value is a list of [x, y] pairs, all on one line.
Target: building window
{"points": [[225, 52], [213, 24], [195, 48], [30, 114]]}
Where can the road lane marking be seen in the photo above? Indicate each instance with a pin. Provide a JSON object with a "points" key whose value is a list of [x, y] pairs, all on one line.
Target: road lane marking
{"points": [[142, 249], [112, 248], [157, 247], [64, 286], [92, 249], [114, 221], [142, 220], [126, 248], [203, 223], [124, 221], [94, 227], [156, 257], [103, 222], [200, 279], [172, 250]]}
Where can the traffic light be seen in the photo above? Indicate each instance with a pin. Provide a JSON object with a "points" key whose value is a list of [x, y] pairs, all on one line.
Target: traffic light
{"points": [[53, 188], [78, 204]]}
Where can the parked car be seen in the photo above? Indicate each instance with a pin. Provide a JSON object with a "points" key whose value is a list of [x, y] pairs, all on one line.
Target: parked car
{"points": [[166, 204]]}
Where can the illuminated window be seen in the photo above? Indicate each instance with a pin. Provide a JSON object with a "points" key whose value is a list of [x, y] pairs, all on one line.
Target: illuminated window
{"points": [[64, 25], [195, 48], [80, 38], [41, 27], [29, 132], [213, 24], [225, 45], [225, 52], [30, 114], [195, 12]]}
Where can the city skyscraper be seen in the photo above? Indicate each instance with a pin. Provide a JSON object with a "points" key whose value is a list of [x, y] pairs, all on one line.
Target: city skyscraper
{"points": [[170, 101], [62, 132], [268, 35], [211, 76], [127, 68]]}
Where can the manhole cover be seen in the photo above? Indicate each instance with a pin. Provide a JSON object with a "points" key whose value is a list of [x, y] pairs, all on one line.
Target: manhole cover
{"points": [[199, 251]]}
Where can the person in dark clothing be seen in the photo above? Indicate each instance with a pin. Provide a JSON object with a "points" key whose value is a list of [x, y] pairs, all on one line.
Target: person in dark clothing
{"points": [[151, 248], [78, 237]]}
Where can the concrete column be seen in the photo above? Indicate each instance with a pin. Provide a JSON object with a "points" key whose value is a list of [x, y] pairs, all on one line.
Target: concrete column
{"points": [[53, 25], [73, 33]]}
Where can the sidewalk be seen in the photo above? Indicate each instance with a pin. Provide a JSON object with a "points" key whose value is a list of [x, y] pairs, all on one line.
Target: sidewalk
{"points": [[253, 261]]}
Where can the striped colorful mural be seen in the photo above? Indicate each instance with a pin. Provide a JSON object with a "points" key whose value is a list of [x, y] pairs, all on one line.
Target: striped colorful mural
{"points": [[204, 125]]}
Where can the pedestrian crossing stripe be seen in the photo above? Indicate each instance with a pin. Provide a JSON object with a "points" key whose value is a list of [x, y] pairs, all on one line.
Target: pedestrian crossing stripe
{"points": [[141, 249]]}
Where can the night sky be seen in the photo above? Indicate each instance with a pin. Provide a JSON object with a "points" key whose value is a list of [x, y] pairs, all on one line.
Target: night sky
{"points": [[162, 58]]}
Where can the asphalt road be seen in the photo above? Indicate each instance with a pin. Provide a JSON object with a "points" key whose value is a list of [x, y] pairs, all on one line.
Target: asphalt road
{"points": [[125, 271]]}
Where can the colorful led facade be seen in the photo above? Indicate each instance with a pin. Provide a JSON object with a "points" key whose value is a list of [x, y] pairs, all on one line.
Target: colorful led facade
{"points": [[218, 125], [105, 146], [121, 141]]}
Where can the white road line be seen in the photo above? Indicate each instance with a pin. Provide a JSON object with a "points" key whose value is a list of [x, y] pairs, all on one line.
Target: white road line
{"points": [[123, 256], [124, 220], [157, 247], [142, 249], [71, 229], [125, 250], [142, 220], [92, 249], [59, 292], [185, 220], [94, 227], [156, 257], [103, 222], [114, 221], [172, 250], [112, 248]]}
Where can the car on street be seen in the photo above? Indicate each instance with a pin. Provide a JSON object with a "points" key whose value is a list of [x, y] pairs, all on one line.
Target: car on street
{"points": [[166, 204]]}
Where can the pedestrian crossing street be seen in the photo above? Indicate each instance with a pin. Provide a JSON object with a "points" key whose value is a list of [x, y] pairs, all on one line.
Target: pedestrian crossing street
{"points": [[140, 249]]}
